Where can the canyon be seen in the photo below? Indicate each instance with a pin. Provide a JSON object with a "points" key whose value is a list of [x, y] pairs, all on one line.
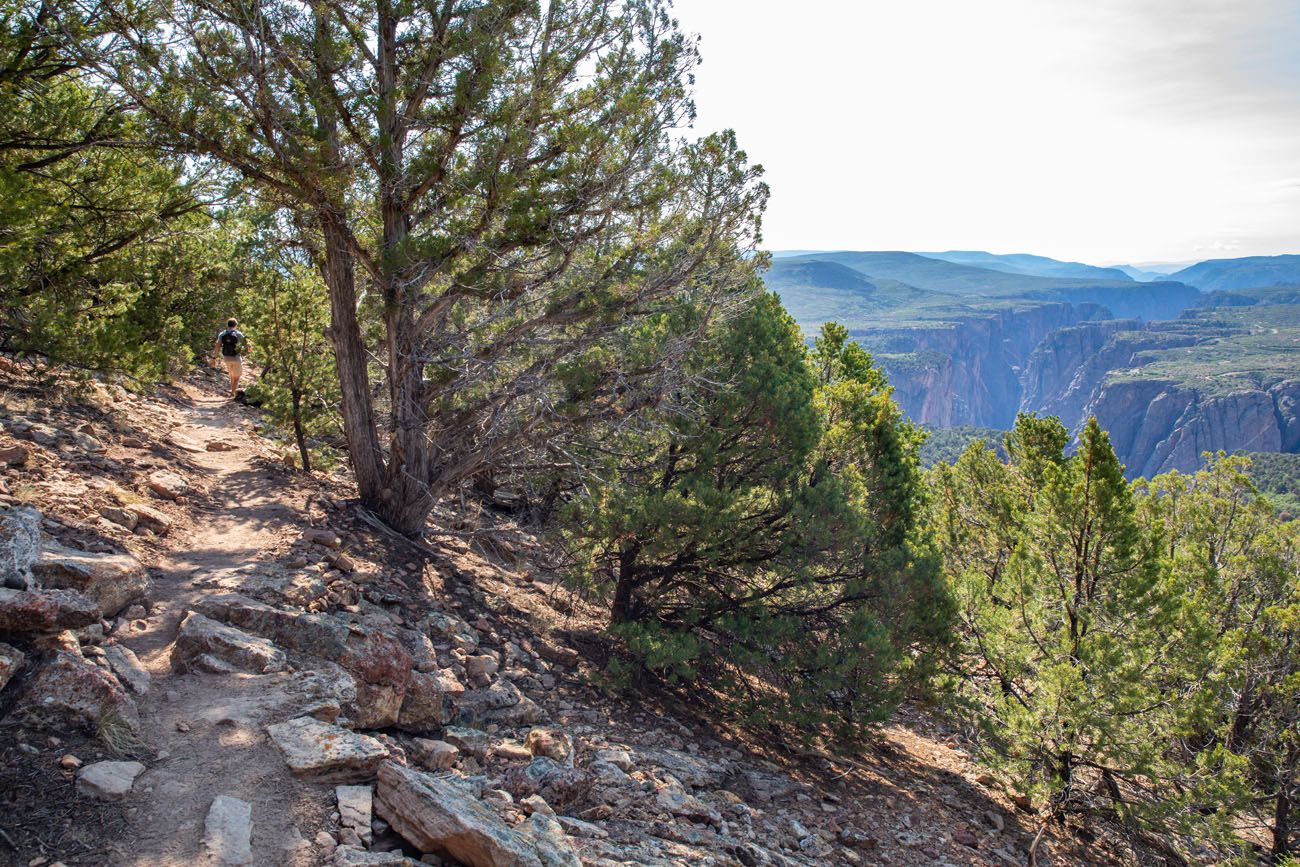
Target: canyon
{"points": [[1167, 371]]}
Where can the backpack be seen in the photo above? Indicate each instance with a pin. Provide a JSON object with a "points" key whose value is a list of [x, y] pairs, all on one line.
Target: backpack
{"points": [[230, 342]]}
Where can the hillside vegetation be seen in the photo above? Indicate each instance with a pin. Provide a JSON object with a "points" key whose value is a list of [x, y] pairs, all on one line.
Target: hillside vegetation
{"points": [[554, 534]]}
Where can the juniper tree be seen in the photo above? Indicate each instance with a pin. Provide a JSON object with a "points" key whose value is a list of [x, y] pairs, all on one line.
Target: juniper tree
{"points": [[1083, 659], [500, 185], [283, 302], [1240, 566], [761, 534], [108, 258]]}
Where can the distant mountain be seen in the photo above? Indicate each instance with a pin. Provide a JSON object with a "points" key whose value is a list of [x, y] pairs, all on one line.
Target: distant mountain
{"points": [[1141, 275], [1034, 266], [1123, 298], [1245, 273], [816, 274]]}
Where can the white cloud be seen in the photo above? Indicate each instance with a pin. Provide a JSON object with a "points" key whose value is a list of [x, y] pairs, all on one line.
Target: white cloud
{"points": [[1099, 131]]}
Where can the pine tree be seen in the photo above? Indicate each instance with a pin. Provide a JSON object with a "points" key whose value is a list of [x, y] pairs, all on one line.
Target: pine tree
{"points": [[1081, 655], [1239, 565]]}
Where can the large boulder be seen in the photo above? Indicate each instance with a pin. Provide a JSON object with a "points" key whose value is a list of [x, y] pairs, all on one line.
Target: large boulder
{"points": [[200, 636], [436, 815], [113, 581], [26, 611], [20, 545], [322, 751], [377, 662], [70, 688]]}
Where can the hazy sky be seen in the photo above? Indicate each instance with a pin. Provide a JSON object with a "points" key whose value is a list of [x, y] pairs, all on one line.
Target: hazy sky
{"points": [[1096, 130]]}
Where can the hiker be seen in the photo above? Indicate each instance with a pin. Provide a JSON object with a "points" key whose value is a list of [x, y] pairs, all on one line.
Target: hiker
{"points": [[229, 343]]}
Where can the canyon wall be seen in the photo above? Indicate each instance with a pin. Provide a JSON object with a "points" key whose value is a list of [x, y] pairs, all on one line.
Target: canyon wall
{"points": [[968, 372]]}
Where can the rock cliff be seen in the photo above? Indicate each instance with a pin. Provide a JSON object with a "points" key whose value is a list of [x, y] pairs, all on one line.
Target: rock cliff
{"points": [[968, 372]]}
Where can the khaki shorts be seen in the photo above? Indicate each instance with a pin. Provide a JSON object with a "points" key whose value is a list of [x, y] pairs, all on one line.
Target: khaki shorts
{"points": [[234, 365]]}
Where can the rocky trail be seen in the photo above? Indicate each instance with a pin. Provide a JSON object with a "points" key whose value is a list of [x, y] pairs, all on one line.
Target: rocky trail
{"points": [[207, 657]]}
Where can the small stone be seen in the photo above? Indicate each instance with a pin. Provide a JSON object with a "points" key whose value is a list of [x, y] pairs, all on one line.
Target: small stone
{"points": [[108, 780], [69, 762], [472, 742], [167, 485], [436, 755], [323, 537], [552, 743]]}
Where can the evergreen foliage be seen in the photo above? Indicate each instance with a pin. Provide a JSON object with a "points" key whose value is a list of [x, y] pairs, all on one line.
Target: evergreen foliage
{"points": [[1083, 660], [284, 303], [107, 261], [761, 532]]}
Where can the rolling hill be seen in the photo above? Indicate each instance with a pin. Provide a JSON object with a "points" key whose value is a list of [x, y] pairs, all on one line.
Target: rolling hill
{"points": [[1244, 273], [1025, 263]]}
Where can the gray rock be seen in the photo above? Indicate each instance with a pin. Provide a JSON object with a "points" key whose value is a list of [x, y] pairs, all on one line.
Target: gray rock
{"points": [[438, 816], [112, 581], [472, 742], [355, 805], [124, 663], [108, 780], [319, 750], [228, 832], [20, 545], [149, 517], [351, 856], [199, 635]]}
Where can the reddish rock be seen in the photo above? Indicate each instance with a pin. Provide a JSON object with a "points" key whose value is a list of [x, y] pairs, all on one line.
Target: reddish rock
{"points": [[429, 701], [45, 610], [69, 687], [377, 662]]}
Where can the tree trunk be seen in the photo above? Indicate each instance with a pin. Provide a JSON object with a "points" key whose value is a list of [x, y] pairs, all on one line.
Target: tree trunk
{"points": [[1281, 826], [350, 360], [298, 433], [624, 608]]}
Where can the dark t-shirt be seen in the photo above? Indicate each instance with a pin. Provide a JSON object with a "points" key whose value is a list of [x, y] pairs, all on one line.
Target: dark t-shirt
{"points": [[231, 339]]}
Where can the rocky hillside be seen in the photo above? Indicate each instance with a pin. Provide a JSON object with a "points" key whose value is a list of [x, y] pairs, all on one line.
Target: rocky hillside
{"points": [[209, 657]]}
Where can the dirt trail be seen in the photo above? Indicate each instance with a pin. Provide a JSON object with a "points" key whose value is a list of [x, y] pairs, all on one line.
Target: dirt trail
{"points": [[207, 731]]}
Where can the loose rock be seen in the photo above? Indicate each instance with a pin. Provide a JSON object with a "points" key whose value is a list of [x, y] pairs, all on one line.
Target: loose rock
{"points": [[438, 816], [319, 750], [199, 636], [108, 780]]}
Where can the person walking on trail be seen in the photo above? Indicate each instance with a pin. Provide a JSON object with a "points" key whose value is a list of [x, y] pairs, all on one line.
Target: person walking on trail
{"points": [[230, 344]]}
